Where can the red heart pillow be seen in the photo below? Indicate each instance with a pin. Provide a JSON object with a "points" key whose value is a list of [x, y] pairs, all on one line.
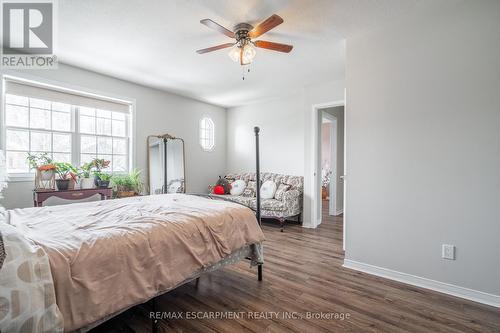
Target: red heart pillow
{"points": [[219, 189]]}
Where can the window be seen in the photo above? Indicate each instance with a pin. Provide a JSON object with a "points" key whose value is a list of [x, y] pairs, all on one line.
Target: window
{"points": [[36, 126], [66, 132], [103, 134], [207, 134]]}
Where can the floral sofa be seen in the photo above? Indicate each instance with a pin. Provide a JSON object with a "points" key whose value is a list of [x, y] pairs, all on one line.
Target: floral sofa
{"points": [[289, 206]]}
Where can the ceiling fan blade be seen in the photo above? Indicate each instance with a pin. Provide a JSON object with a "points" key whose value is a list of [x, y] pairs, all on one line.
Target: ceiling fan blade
{"points": [[217, 27], [273, 21], [214, 48], [273, 46]]}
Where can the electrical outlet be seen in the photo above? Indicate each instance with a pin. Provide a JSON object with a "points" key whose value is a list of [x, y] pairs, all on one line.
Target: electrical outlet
{"points": [[448, 252]]}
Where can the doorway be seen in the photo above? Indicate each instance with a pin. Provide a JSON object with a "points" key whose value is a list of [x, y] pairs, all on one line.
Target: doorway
{"points": [[331, 156], [335, 185]]}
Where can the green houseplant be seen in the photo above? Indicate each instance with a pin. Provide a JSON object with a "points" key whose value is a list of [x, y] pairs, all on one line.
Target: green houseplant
{"points": [[65, 172], [98, 164], [85, 173], [127, 185], [45, 170], [103, 179]]}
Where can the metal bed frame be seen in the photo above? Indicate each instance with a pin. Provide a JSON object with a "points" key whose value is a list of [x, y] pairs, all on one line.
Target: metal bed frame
{"points": [[154, 322]]}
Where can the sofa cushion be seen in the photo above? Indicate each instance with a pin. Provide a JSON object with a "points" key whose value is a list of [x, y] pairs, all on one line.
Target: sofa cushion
{"points": [[269, 204], [280, 192], [250, 189], [237, 198]]}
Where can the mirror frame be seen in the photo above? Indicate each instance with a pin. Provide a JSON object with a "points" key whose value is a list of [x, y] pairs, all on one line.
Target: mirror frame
{"points": [[165, 137]]}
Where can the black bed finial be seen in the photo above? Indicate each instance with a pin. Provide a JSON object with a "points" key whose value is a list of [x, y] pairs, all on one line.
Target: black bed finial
{"points": [[256, 129]]}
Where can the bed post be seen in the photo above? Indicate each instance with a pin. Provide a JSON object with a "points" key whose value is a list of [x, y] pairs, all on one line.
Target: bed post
{"points": [[257, 178], [257, 171]]}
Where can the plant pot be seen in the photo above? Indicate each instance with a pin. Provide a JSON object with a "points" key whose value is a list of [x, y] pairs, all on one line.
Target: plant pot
{"points": [[87, 183], [62, 184], [102, 183], [46, 174], [125, 194]]}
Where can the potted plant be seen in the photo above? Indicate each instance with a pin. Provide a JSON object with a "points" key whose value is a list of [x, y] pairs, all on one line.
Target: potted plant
{"points": [[99, 165], [127, 185], [103, 179], [86, 182], [66, 172], [45, 170]]}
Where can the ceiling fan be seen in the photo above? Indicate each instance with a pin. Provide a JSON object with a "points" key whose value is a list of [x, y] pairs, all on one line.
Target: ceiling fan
{"points": [[243, 50]]}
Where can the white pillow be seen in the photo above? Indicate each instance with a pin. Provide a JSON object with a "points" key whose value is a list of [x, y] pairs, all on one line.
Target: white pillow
{"points": [[268, 189], [237, 187]]}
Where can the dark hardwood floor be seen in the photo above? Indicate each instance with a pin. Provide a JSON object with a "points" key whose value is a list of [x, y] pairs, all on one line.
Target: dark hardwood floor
{"points": [[303, 273]]}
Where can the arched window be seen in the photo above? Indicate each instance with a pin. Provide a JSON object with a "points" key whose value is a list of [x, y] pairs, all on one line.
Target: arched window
{"points": [[207, 134]]}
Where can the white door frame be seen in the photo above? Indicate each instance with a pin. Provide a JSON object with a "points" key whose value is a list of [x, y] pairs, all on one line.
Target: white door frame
{"points": [[332, 204], [315, 189]]}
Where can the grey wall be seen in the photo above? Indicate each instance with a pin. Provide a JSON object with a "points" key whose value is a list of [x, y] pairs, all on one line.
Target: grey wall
{"points": [[157, 112], [423, 143], [281, 137]]}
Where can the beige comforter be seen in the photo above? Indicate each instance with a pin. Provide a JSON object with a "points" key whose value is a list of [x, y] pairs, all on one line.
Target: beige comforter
{"points": [[108, 255]]}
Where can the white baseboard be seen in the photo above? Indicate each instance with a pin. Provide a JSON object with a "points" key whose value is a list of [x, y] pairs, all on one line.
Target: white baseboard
{"points": [[450, 289], [338, 212]]}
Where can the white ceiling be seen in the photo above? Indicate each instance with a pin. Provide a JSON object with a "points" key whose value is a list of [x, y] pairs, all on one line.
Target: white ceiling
{"points": [[153, 42]]}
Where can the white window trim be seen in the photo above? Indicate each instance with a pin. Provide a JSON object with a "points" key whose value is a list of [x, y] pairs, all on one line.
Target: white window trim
{"points": [[199, 138], [35, 80]]}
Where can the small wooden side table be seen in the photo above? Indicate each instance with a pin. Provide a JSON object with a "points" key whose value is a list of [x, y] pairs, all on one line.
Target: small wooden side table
{"points": [[39, 196]]}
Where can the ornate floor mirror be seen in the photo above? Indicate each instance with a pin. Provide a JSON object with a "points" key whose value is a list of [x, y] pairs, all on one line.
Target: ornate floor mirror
{"points": [[166, 164]]}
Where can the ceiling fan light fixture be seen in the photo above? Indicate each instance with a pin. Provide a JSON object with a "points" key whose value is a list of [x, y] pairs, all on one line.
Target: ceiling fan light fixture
{"points": [[249, 53], [234, 53]]}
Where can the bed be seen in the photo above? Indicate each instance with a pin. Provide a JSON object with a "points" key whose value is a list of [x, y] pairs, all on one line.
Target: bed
{"points": [[69, 268], [95, 260]]}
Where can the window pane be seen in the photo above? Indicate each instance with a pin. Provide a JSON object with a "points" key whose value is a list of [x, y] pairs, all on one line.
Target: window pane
{"points": [[62, 157], [104, 114], [61, 121], [87, 124], [86, 111], [119, 146], [104, 145], [62, 143], [61, 107], [16, 162], [119, 163], [86, 158], [39, 118], [41, 141], [17, 140], [39, 103], [118, 115], [18, 100], [88, 144], [118, 128], [104, 126], [16, 116]]}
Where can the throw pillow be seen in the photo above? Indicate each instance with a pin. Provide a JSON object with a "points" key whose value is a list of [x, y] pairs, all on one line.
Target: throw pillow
{"points": [[238, 186], [280, 192], [267, 189], [250, 189], [219, 190]]}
